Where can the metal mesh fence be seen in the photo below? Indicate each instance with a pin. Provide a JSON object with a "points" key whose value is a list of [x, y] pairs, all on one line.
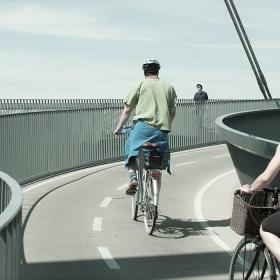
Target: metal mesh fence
{"points": [[44, 142], [40, 138]]}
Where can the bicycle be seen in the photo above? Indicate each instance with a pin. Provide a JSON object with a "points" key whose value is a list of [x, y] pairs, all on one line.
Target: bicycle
{"points": [[150, 163], [251, 259]]}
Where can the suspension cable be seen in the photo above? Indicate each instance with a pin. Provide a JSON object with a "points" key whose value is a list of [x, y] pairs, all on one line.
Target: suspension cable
{"points": [[248, 49]]}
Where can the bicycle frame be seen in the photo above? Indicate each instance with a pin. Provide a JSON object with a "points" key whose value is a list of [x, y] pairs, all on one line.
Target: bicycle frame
{"points": [[155, 175], [156, 184], [147, 195], [149, 184]]}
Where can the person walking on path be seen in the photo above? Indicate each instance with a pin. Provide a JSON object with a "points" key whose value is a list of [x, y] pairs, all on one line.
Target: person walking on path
{"points": [[155, 107]]}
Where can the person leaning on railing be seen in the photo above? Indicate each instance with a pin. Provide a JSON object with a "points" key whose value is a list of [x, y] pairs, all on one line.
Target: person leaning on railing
{"points": [[154, 101], [200, 95], [270, 227]]}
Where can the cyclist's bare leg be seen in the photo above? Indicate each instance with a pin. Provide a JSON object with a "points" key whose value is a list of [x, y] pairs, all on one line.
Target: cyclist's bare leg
{"points": [[272, 242], [132, 166]]}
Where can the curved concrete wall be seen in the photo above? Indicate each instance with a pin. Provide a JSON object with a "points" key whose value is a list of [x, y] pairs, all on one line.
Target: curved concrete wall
{"points": [[10, 227], [252, 138]]}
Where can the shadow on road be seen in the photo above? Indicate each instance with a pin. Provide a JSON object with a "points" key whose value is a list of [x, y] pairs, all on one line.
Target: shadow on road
{"points": [[179, 228], [205, 265]]}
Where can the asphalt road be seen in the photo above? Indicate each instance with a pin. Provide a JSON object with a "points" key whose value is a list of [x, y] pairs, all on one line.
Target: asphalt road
{"points": [[83, 229]]}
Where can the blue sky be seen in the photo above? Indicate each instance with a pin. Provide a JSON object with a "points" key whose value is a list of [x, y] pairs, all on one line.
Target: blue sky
{"points": [[95, 48]]}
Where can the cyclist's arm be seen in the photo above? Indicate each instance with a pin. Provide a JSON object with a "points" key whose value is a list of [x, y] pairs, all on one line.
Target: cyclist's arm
{"points": [[265, 178], [173, 113], [126, 112]]}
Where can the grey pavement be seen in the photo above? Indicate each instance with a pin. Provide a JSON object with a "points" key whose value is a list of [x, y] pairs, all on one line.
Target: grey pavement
{"points": [[79, 226]]}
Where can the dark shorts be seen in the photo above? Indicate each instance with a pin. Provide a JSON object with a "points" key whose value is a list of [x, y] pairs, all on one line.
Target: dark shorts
{"points": [[272, 224]]}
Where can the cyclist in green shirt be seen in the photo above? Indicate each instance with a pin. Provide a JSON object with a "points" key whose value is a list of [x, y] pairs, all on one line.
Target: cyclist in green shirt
{"points": [[155, 108]]}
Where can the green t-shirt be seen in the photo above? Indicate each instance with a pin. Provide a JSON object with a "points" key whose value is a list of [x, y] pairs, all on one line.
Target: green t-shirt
{"points": [[153, 100]]}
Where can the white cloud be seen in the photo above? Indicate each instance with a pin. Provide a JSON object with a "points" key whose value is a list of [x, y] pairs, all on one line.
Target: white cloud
{"points": [[80, 23], [194, 40]]}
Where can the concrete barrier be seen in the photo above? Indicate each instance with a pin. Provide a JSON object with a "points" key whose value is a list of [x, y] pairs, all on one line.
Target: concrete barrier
{"points": [[10, 228], [252, 138]]}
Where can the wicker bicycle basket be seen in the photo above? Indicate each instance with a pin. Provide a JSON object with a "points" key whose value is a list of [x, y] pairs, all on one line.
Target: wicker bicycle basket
{"points": [[249, 210]]}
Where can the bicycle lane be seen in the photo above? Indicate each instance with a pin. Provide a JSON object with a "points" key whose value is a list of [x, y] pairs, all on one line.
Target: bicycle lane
{"points": [[180, 249], [213, 218]]}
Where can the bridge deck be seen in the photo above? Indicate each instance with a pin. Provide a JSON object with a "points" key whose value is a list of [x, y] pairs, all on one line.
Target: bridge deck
{"points": [[78, 226]]}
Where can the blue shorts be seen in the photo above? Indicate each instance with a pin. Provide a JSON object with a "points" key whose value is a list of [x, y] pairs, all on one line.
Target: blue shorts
{"points": [[142, 133]]}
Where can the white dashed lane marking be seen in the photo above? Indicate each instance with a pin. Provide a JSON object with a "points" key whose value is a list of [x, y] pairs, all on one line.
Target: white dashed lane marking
{"points": [[97, 224], [106, 255], [106, 202], [185, 163], [122, 187], [200, 216], [221, 156]]}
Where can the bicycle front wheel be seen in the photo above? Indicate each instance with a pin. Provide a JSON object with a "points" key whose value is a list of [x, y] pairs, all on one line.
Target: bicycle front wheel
{"points": [[250, 262]]}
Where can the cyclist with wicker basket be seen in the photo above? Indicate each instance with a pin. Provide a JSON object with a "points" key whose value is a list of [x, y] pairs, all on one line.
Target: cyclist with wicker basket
{"points": [[270, 226]]}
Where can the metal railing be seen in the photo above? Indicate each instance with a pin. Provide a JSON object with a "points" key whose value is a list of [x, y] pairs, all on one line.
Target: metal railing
{"points": [[11, 106], [38, 144], [43, 138], [10, 227]]}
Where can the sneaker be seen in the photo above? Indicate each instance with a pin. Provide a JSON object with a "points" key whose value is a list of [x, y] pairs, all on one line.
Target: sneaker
{"points": [[132, 186]]}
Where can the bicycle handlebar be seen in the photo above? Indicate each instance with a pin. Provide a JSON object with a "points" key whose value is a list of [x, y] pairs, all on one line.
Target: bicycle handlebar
{"points": [[125, 130], [275, 194]]}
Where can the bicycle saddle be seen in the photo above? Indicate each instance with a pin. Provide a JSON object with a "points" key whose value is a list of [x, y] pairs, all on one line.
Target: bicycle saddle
{"points": [[150, 145]]}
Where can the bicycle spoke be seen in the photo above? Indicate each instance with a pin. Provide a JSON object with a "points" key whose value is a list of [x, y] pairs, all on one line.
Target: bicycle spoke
{"points": [[254, 266], [150, 210], [134, 206], [249, 262]]}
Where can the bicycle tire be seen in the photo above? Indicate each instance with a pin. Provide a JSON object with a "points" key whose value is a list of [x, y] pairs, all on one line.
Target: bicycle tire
{"points": [[137, 197], [135, 202], [271, 264], [277, 265], [134, 207], [250, 261], [150, 210]]}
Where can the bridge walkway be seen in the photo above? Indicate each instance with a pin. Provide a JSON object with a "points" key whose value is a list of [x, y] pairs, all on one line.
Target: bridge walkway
{"points": [[79, 226]]}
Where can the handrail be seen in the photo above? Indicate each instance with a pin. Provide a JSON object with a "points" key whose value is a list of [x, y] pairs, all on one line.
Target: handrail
{"points": [[9, 106], [14, 204], [40, 144], [10, 227]]}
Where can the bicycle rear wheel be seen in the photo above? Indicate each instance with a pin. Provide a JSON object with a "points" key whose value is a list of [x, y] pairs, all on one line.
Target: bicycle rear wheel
{"points": [[249, 261], [150, 210], [137, 197], [135, 202], [134, 207]]}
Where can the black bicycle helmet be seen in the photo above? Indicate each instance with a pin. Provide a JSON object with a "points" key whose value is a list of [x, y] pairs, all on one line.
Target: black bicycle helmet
{"points": [[151, 65]]}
